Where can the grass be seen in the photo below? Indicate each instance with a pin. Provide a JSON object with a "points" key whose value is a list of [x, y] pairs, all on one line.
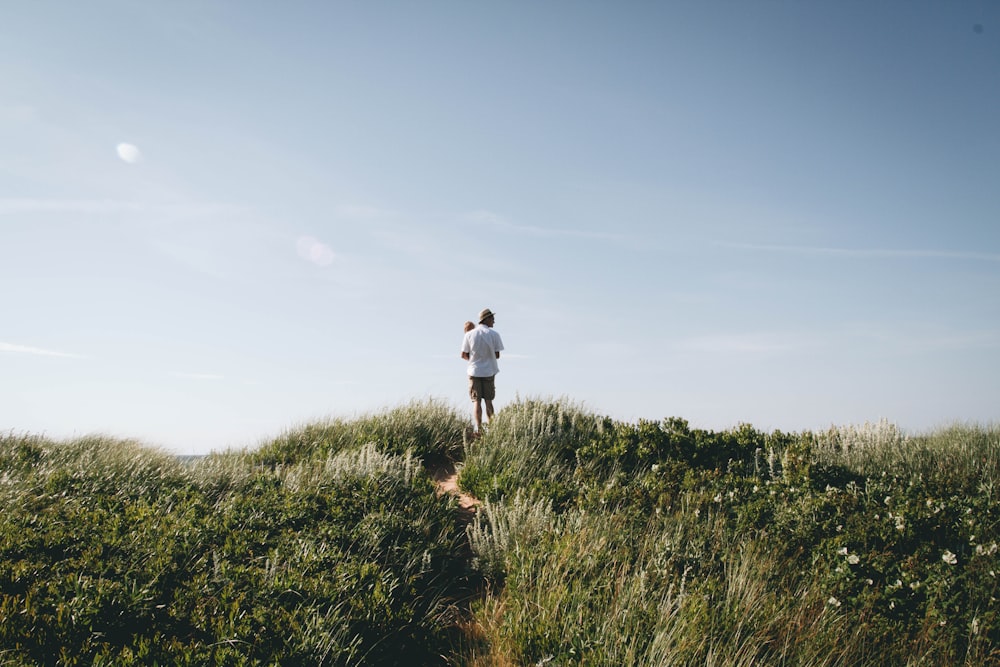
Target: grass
{"points": [[650, 544], [598, 543]]}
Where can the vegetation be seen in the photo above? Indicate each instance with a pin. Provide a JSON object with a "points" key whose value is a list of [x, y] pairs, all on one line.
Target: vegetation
{"points": [[341, 554], [606, 543], [598, 543]]}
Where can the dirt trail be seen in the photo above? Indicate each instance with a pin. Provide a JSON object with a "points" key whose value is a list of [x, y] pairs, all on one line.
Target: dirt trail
{"points": [[446, 479]]}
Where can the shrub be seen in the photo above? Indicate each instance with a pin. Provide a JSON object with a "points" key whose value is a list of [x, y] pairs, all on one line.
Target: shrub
{"points": [[429, 429], [857, 546], [115, 554]]}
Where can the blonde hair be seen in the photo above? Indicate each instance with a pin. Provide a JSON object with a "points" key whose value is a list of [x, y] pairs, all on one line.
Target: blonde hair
{"points": [[469, 326]]}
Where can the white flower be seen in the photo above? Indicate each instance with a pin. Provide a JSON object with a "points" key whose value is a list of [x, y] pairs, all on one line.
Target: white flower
{"points": [[656, 466], [718, 498], [842, 551], [949, 557], [853, 559], [887, 499], [833, 602]]}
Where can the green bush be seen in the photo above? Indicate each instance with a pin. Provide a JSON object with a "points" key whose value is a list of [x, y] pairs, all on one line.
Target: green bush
{"points": [[598, 543], [114, 554], [855, 546], [429, 429]]}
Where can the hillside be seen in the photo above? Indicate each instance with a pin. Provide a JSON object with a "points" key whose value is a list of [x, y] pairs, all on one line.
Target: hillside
{"points": [[595, 542]]}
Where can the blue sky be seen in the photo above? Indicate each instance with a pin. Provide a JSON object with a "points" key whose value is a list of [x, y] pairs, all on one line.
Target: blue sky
{"points": [[220, 220]]}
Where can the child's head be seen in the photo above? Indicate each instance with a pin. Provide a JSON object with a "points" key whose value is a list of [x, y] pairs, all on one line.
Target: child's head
{"points": [[469, 326]]}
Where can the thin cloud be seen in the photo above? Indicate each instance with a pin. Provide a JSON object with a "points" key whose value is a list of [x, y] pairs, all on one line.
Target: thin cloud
{"points": [[364, 212], [170, 212], [37, 351], [25, 205], [197, 376], [748, 343], [910, 341], [870, 253], [495, 220], [205, 260]]}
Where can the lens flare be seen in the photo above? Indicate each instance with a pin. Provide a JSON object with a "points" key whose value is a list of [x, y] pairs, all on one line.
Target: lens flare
{"points": [[129, 153], [315, 251]]}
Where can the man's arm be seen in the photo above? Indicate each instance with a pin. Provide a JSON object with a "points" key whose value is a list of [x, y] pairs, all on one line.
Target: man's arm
{"points": [[465, 355]]}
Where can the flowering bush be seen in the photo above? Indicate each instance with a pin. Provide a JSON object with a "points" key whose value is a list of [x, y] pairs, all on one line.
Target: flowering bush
{"points": [[874, 547]]}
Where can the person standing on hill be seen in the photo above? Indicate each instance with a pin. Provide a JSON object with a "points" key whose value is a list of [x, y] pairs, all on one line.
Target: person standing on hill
{"points": [[481, 348]]}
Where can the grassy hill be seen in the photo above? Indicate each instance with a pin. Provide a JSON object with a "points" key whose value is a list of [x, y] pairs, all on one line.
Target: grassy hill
{"points": [[598, 543]]}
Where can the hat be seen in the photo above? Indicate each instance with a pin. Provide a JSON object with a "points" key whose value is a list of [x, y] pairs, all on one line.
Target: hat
{"points": [[485, 314]]}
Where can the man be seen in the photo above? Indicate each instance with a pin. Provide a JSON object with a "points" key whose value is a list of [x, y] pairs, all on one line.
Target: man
{"points": [[481, 348]]}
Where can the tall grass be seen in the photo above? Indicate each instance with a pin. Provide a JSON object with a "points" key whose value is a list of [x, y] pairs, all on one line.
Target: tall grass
{"points": [[598, 543], [615, 544], [429, 429], [333, 552], [575, 588]]}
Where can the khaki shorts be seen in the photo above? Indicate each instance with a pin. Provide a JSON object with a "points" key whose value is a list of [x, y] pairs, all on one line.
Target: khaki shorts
{"points": [[482, 388]]}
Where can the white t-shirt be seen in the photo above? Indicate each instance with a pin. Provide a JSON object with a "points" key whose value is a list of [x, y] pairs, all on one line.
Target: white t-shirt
{"points": [[482, 345]]}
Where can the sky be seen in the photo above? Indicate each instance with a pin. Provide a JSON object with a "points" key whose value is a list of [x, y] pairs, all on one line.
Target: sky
{"points": [[224, 219]]}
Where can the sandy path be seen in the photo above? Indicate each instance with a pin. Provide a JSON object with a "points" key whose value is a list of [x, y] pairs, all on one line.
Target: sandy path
{"points": [[446, 478]]}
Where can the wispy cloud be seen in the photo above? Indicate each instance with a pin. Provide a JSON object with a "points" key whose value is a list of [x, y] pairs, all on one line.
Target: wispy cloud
{"points": [[495, 220], [197, 376], [175, 212], [26, 205], [360, 211], [869, 253], [914, 340], [855, 337], [38, 351], [745, 343]]}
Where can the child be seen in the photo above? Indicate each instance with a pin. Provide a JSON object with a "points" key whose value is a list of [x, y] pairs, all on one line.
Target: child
{"points": [[469, 326]]}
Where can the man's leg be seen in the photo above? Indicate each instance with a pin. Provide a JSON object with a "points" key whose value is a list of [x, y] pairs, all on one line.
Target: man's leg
{"points": [[478, 413], [489, 410]]}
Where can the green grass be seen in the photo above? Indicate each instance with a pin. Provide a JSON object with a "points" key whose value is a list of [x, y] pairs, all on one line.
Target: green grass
{"points": [[598, 543], [656, 544], [115, 554]]}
